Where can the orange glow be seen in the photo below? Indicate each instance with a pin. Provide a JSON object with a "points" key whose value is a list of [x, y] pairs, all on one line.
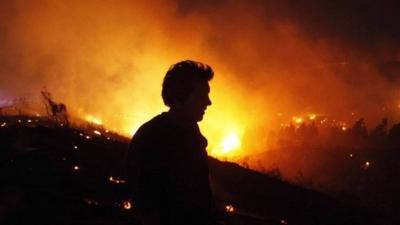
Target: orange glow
{"points": [[93, 119], [297, 120], [229, 208], [107, 66], [228, 147], [127, 205]]}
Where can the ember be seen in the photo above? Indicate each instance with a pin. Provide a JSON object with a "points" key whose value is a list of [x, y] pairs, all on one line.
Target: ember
{"points": [[116, 180], [229, 208], [127, 205], [366, 165], [283, 221]]}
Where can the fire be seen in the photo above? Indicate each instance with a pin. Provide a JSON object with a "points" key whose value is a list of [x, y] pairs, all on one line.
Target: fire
{"points": [[228, 146], [297, 120], [312, 116], [127, 205], [229, 208], [94, 119]]}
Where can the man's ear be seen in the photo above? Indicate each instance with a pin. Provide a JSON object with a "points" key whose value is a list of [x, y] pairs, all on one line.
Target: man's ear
{"points": [[176, 103]]}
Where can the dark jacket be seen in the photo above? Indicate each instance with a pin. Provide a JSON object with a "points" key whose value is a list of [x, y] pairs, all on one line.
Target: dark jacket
{"points": [[168, 172]]}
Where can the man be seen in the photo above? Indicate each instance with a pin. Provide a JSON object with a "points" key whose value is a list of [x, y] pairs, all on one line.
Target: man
{"points": [[168, 167]]}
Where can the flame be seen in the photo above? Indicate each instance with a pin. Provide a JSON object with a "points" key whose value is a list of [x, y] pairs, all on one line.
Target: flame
{"points": [[312, 116], [94, 119], [229, 208], [297, 120], [127, 205], [228, 146]]}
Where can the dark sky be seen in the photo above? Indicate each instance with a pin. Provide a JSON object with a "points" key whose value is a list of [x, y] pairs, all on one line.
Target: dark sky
{"points": [[362, 22]]}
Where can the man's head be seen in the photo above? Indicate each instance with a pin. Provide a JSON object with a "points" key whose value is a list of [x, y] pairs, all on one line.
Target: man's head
{"points": [[185, 88]]}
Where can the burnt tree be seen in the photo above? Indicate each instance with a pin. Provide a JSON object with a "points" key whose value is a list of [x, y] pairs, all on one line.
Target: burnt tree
{"points": [[55, 111]]}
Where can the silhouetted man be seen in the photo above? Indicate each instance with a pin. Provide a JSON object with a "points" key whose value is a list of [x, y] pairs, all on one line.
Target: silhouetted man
{"points": [[168, 167]]}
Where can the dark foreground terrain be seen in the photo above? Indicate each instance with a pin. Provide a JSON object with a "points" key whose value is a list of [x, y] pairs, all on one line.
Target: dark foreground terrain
{"points": [[53, 174]]}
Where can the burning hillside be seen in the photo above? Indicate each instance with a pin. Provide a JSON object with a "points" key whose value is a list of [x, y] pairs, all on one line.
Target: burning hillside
{"points": [[53, 174], [105, 61], [304, 91]]}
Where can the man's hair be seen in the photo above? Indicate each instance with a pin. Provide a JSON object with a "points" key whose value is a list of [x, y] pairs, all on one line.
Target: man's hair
{"points": [[182, 78]]}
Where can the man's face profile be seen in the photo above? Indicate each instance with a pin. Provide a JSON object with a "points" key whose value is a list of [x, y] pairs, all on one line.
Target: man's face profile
{"points": [[197, 102]]}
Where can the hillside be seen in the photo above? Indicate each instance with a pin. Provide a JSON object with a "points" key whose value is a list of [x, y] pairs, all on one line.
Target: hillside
{"points": [[59, 175]]}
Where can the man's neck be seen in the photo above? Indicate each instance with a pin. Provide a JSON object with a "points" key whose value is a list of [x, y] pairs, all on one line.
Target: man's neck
{"points": [[180, 118]]}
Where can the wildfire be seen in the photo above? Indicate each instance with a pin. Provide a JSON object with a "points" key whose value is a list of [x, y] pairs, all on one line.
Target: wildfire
{"points": [[298, 120], [94, 120], [312, 117], [228, 145]]}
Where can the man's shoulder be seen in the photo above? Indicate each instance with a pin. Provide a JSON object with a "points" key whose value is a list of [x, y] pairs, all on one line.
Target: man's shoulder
{"points": [[154, 127]]}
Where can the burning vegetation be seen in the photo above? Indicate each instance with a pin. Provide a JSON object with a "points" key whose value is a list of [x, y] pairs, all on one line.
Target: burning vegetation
{"points": [[307, 92]]}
